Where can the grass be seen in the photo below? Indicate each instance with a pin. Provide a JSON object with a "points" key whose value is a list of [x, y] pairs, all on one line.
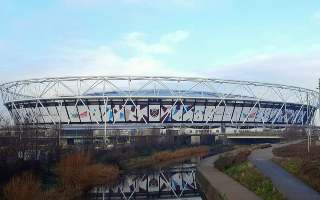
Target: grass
{"points": [[246, 174], [296, 160], [291, 165], [237, 166]]}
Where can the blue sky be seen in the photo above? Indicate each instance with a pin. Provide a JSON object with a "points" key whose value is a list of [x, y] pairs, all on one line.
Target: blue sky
{"points": [[265, 40]]}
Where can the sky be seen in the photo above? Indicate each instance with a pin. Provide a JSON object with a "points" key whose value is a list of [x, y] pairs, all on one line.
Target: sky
{"points": [[275, 41]]}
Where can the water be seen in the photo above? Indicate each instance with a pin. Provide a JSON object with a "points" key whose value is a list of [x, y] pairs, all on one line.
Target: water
{"points": [[178, 181]]}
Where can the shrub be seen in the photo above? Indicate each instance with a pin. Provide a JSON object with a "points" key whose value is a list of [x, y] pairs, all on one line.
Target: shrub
{"points": [[25, 186], [228, 160], [180, 154], [77, 173], [166, 157]]}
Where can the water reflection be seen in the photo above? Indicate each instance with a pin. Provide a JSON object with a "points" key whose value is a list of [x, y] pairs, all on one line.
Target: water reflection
{"points": [[174, 182]]}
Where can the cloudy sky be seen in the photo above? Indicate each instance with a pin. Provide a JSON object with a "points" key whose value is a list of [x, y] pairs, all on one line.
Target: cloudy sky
{"points": [[266, 40]]}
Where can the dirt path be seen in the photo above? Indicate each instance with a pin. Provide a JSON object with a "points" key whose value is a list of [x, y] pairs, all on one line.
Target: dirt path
{"points": [[291, 187]]}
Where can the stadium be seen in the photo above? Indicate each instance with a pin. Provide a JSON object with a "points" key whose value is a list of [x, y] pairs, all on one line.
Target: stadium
{"points": [[142, 101]]}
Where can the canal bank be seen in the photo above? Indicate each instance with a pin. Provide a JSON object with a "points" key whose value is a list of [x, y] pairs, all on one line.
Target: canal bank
{"points": [[215, 184]]}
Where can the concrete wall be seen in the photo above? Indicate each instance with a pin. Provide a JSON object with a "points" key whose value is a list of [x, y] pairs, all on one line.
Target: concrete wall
{"points": [[207, 190]]}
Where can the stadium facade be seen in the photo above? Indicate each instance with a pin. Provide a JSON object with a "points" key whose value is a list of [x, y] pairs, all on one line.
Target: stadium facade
{"points": [[111, 101]]}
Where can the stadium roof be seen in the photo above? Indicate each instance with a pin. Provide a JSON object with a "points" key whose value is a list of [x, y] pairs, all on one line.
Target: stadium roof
{"points": [[167, 93]]}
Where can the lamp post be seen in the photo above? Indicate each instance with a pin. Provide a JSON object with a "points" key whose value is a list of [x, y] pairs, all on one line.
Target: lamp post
{"points": [[312, 123], [318, 104], [309, 124], [309, 139]]}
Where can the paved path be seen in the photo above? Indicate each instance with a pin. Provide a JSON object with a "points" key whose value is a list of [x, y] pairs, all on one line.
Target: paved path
{"points": [[291, 187], [224, 184]]}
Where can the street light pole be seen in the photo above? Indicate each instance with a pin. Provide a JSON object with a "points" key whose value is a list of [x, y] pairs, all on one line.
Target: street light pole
{"points": [[318, 105], [313, 121], [309, 124], [309, 139]]}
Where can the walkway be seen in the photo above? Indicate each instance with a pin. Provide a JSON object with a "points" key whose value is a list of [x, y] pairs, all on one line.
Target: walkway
{"points": [[291, 187], [225, 185]]}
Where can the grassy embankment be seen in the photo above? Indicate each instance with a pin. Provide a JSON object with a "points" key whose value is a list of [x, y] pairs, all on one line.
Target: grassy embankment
{"points": [[297, 161], [240, 169]]}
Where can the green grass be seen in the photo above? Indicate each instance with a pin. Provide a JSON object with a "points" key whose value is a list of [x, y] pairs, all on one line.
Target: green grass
{"points": [[293, 166], [308, 172], [246, 174]]}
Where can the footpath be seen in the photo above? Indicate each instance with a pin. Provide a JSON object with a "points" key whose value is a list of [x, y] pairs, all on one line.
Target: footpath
{"points": [[214, 183], [291, 187]]}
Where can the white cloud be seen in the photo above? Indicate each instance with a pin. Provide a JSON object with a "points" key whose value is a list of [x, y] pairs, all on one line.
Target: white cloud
{"points": [[316, 16], [154, 3], [2, 45], [98, 61], [175, 37], [294, 69], [85, 2], [165, 45], [186, 2], [87, 59], [166, 2], [136, 41]]}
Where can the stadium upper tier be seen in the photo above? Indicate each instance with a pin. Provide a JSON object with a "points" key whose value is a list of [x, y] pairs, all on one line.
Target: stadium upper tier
{"points": [[168, 93], [109, 100]]}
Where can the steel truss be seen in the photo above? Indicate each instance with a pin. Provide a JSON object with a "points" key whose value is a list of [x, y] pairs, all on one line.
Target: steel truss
{"points": [[294, 105]]}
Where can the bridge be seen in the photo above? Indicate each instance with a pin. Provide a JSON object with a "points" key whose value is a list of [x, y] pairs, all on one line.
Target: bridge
{"points": [[253, 136]]}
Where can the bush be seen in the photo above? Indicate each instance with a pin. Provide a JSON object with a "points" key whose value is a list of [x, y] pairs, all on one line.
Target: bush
{"points": [[228, 160], [25, 186], [180, 154], [77, 173], [166, 157]]}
